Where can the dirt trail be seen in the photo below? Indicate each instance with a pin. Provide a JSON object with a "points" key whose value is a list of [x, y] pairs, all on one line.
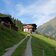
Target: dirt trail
{"points": [[12, 49], [28, 51]]}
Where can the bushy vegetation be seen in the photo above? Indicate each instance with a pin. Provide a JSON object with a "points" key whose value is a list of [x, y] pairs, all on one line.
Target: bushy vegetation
{"points": [[18, 23]]}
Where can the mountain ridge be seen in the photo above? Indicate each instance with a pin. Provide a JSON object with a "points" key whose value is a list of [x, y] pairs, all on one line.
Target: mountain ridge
{"points": [[48, 28]]}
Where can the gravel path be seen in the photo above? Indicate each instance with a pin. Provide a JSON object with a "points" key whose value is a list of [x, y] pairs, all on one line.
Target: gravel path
{"points": [[12, 49], [28, 51]]}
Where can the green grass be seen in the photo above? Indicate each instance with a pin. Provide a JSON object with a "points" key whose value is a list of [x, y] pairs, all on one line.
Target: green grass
{"points": [[8, 38], [40, 43], [21, 49], [3, 15]]}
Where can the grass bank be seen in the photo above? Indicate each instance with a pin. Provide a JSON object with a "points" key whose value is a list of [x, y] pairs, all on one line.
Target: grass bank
{"points": [[21, 49], [42, 46], [9, 37]]}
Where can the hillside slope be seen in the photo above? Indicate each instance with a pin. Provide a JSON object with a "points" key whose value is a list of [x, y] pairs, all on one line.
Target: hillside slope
{"points": [[8, 38], [48, 28], [43, 46]]}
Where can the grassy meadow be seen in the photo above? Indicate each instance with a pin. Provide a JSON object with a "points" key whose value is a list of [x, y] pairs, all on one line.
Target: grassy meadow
{"points": [[43, 46]]}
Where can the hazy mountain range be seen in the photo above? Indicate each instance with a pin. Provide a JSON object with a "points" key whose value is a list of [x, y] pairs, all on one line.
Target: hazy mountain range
{"points": [[48, 28]]}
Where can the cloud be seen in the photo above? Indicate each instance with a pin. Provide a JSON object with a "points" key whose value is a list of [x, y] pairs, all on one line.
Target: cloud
{"points": [[40, 13], [7, 2], [9, 7]]}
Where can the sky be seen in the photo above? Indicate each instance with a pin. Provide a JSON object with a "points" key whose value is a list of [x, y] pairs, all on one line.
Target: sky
{"points": [[30, 11]]}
